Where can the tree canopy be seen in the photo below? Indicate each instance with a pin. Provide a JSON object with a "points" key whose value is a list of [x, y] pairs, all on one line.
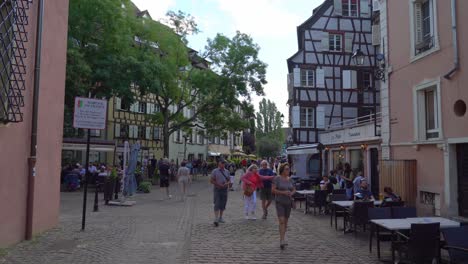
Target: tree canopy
{"points": [[112, 49], [270, 135]]}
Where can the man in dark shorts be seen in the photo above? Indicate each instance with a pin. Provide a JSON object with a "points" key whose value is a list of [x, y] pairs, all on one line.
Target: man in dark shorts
{"points": [[164, 167], [265, 192], [220, 180]]}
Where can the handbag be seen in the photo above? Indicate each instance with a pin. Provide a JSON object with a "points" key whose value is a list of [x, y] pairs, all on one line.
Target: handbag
{"points": [[248, 191]]}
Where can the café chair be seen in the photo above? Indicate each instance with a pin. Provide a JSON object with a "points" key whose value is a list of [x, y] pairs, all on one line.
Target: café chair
{"points": [[421, 246], [318, 200], [403, 212], [379, 213], [456, 243], [337, 211], [339, 191], [358, 215], [393, 204]]}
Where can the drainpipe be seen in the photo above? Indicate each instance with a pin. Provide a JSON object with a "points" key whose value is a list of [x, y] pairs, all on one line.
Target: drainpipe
{"points": [[33, 149], [456, 59]]}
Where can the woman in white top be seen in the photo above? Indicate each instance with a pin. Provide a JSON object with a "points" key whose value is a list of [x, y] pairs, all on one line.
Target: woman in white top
{"points": [[183, 177]]}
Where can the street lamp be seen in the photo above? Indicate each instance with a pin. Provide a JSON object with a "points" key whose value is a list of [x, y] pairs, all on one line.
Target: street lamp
{"points": [[358, 57]]}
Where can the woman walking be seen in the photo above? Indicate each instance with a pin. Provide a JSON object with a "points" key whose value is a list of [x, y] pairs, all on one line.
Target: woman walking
{"points": [[183, 177], [250, 182], [283, 189]]}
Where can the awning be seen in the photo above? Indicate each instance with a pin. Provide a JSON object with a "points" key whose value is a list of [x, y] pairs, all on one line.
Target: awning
{"points": [[303, 149], [92, 147]]}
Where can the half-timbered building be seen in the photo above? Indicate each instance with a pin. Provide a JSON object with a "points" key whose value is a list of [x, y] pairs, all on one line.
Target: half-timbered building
{"points": [[327, 85]]}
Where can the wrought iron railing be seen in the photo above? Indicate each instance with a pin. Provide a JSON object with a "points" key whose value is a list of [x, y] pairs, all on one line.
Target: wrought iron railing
{"points": [[359, 121], [13, 36]]}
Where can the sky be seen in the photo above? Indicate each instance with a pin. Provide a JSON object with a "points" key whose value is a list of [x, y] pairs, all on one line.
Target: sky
{"points": [[271, 23]]}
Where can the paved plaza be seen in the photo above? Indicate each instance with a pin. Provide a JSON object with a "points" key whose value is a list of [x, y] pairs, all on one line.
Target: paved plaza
{"points": [[157, 230]]}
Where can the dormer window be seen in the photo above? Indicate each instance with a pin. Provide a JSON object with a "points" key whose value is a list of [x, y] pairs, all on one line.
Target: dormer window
{"points": [[350, 8]]}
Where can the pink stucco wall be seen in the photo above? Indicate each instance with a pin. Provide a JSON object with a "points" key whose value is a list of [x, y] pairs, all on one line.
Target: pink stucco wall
{"points": [[406, 74], [15, 138]]}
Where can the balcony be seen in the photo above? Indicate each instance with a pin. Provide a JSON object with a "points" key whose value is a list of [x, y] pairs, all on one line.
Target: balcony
{"points": [[363, 128]]}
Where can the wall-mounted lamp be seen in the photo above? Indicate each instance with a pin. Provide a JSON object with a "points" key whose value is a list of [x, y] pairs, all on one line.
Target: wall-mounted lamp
{"points": [[358, 57], [364, 146], [342, 147]]}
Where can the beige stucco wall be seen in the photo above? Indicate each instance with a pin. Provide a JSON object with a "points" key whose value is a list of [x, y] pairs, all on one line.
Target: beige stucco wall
{"points": [[15, 138], [405, 75]]}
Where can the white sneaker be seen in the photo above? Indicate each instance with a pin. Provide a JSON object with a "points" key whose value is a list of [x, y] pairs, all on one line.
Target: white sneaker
{"points": [[247, 217], [253, 217]]}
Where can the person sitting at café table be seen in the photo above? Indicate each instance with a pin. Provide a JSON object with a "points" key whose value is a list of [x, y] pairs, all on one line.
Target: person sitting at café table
{"points": [[326, 184], [390, 196], [364, 192]]}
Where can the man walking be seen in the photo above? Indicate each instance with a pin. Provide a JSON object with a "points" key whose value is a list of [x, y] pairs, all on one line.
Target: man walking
{"points": [[220, 180], [164, 168], [265, 193]]}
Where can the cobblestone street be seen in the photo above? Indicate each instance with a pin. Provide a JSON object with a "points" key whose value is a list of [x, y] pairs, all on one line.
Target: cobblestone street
{"points": [[171, 231]]}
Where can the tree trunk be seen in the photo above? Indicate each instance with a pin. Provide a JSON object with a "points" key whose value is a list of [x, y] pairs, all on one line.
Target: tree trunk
{"points": [[166, 136]]}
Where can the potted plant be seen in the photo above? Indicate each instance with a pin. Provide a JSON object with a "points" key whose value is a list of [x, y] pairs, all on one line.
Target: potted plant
{"points": [[144, 187], [109, 185]]}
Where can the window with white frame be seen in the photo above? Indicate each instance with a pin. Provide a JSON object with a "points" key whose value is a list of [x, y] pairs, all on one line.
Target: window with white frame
{"points": [[307, 117], [124, 130], [307, 78], [424, 25], [350, 8], [430, 105], [141, 132], [141, 107], [156, 133], [335, 42], [427, 112]]}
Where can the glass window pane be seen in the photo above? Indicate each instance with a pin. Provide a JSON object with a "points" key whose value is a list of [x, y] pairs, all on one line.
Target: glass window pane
{"points": [[356, 159], [430, 110], [303, 116]]}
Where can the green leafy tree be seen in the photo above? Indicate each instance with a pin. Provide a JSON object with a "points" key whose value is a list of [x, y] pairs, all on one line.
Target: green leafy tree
{"points": [[99, 50], [269, 132], [184, 80]]}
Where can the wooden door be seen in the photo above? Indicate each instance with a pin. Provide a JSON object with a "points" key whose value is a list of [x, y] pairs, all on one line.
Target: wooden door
{"points": [[462, 166]]}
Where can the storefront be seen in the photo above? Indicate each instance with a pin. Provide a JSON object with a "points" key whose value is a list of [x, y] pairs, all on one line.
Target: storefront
{"points": [[305, 161], [357, 146]]}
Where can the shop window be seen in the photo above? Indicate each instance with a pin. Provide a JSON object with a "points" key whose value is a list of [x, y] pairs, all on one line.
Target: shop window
{"points": [[356, 159]]}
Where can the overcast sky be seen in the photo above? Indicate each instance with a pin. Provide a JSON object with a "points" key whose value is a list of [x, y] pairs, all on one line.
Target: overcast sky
{"points": [[271, 23]]}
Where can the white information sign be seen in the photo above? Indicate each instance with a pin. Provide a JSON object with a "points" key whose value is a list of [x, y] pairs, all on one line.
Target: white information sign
{"points": [[90, 113]]}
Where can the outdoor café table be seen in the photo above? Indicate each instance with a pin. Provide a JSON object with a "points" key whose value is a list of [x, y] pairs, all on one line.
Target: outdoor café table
{"points": [[344, 204], [395, 225], [306, 193]]}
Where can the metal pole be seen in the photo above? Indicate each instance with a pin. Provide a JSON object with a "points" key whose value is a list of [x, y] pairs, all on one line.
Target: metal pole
{"points": [[83, 218], [96, 206]]}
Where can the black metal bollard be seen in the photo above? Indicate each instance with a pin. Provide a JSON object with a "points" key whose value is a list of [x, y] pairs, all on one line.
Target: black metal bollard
{"points": [[96, 206]]}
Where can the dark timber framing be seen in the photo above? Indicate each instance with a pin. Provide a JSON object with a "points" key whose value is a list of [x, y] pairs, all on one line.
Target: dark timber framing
{"points": [[340, 104]]}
